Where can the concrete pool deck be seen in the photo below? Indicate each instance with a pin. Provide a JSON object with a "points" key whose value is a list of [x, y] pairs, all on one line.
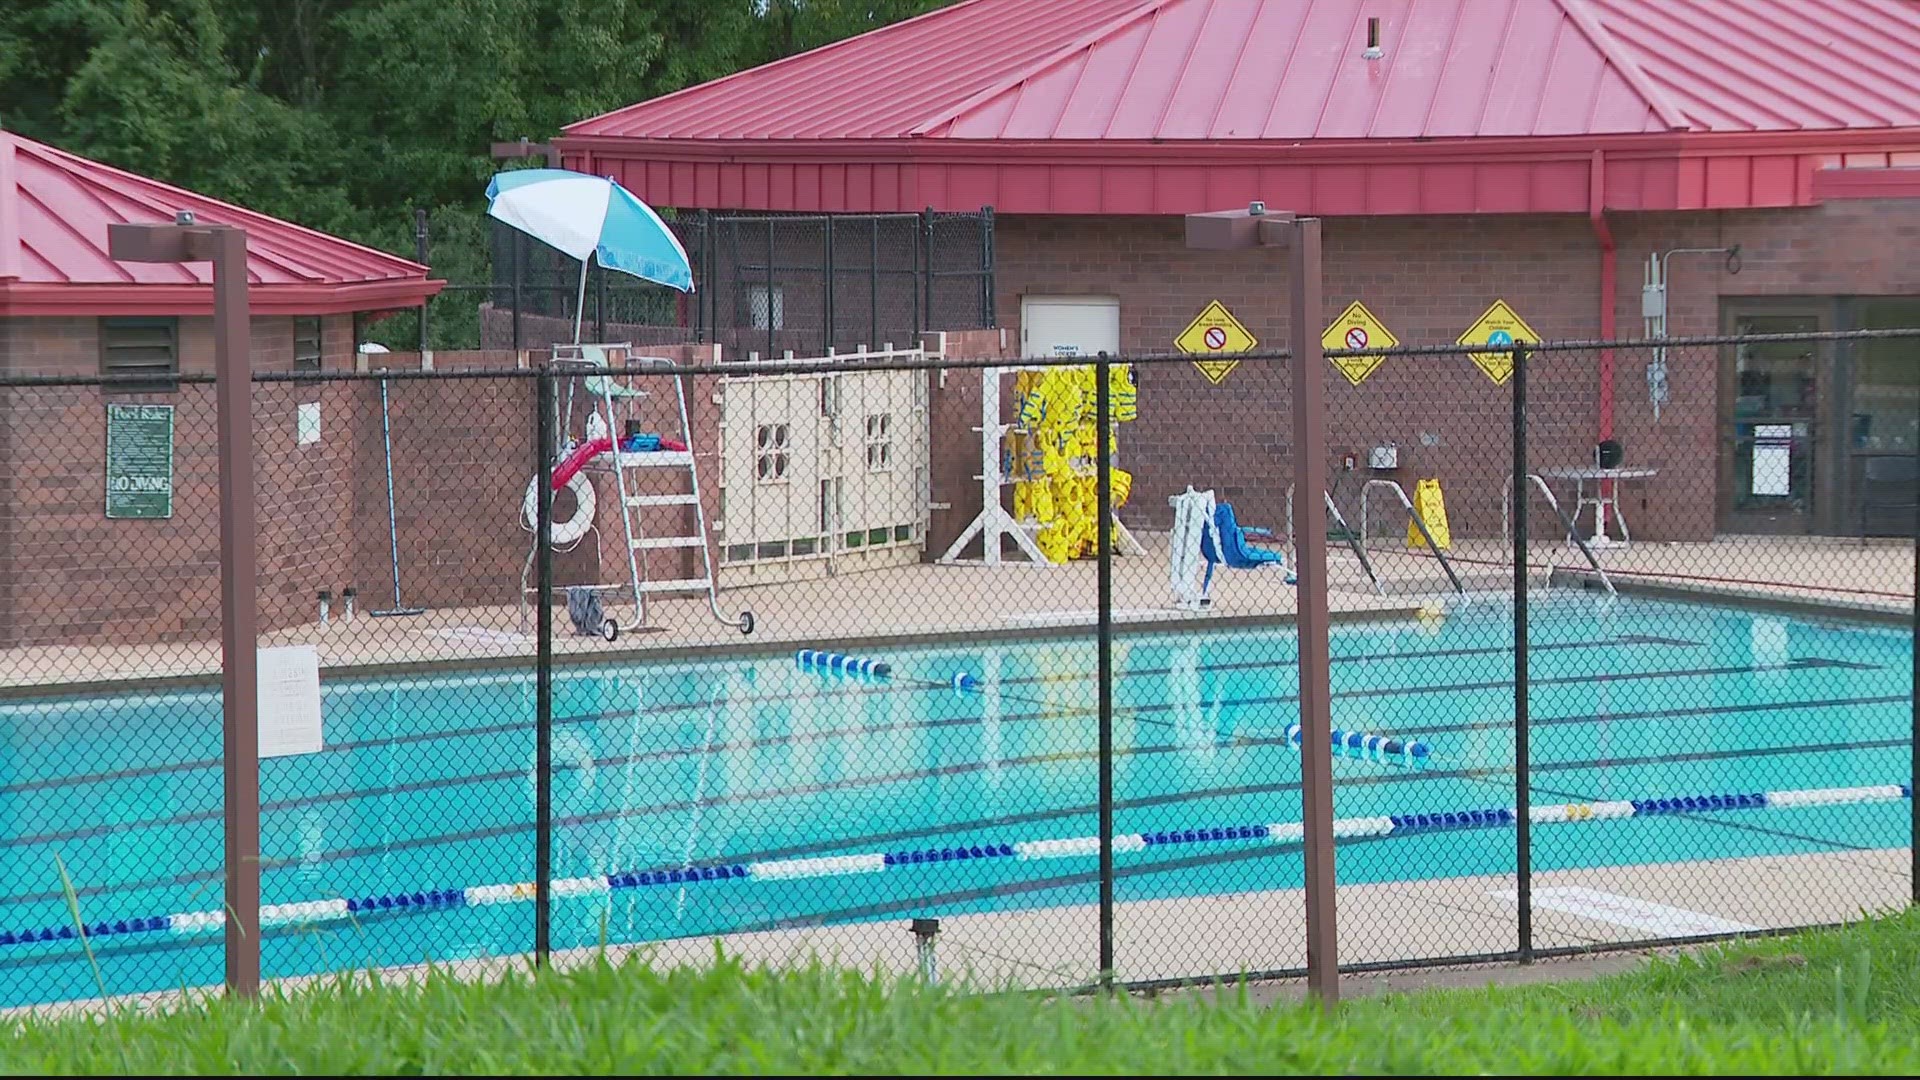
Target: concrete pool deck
{"points": [[1461, 919], [925, 602]]}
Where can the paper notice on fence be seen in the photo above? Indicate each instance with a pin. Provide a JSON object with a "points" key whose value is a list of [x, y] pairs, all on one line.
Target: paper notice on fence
{"points": [[289, 701]]}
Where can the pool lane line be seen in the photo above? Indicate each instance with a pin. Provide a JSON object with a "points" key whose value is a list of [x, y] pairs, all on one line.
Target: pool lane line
{"points": [[1129, 712], [334, 909], [601, 817], [849, 689]]}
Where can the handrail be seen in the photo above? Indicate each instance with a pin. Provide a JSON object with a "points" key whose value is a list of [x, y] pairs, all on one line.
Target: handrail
{"points": [[1412, 516], [1573, 532], [1346, 530]]}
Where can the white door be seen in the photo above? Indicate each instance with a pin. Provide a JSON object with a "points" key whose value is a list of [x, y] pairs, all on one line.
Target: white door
{"points": [[1069, 325]]}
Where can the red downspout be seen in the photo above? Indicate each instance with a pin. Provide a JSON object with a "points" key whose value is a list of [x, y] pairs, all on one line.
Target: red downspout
{"points": [[1609, 285]]}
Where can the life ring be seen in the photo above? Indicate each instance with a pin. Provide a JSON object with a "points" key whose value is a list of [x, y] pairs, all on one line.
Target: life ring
{"points": [[575, 527]]}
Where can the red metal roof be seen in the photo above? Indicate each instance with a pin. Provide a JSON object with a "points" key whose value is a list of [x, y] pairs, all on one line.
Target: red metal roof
{"points": [[54, 211], [1292, 70], [949, 108]]}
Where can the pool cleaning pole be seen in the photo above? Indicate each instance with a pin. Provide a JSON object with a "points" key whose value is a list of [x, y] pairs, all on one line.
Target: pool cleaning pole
{"points": [[393, 528]]}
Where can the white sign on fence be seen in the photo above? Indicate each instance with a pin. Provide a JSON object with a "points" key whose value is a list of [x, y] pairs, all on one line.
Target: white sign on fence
{"points": [[289, 701]]}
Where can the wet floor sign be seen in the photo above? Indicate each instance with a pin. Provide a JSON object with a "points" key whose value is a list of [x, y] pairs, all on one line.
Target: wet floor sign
{"points": [[1432, 509]]}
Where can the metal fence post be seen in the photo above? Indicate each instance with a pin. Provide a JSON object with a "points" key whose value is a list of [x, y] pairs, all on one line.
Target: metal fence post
{"points": [[1315, 662], [1103, 488], [600, 304], [543, 674], [986, 266], [421, 255], [1522, 802], [924, 318], [519, 274], [239, 615], [826, 279], [1913, 742]]}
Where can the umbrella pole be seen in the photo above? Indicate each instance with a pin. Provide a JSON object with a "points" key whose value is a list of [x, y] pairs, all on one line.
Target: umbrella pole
{"points": [[580, 306]]}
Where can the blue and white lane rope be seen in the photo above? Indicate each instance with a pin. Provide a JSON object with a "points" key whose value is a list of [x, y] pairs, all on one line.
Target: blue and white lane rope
{"points": [[195, 922], [840, 662], [1368, 745]]}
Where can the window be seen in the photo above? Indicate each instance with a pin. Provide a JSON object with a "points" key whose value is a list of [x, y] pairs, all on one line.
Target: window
{"points": [[307, 341], [141, 346], [767, 307], [770, 442], [879, 442]]}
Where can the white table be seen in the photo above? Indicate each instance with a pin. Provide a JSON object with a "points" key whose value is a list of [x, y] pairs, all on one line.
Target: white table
{"points": [[1604, 495]]}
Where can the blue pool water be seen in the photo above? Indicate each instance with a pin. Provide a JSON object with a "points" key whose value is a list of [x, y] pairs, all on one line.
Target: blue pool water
{"points": [[426, 780]]}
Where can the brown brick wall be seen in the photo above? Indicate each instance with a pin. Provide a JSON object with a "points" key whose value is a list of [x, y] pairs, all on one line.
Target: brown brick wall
{"points": [[1428, 279], [73, 575]]}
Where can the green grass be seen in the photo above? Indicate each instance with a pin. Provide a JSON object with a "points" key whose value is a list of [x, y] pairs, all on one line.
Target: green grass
{"points": [[1823, 1002]]}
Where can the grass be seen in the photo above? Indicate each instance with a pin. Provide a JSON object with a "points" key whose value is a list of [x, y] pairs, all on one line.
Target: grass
{"points": [[1821, 1002]]}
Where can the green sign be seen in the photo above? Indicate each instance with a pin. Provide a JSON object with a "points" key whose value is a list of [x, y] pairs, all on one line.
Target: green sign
{"points": [[139, 461]]}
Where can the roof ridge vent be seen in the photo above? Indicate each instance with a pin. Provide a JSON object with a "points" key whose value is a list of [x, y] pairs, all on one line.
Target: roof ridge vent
{"points": [[1373, 50]]}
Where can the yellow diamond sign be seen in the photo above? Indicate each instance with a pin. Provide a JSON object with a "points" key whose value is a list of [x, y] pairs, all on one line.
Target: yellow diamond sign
{"points": [[1356, 328], [1215, 333], [1500, 327]]}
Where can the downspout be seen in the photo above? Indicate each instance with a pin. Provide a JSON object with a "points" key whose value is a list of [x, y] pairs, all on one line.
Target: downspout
{"points": [[1609, 284]]}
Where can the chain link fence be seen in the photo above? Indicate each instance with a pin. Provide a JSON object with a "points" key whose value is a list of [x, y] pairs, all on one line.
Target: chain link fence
{"points": [[767, 285], [823, 658]]}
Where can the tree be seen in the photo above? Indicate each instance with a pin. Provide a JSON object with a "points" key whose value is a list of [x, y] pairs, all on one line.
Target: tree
{"points": [[156, 96]]}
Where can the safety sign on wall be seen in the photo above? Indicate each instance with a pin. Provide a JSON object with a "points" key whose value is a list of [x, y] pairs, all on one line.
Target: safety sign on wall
{"points": [[139, 461], [1215, 333], [1356, 328], [1499, 328]]}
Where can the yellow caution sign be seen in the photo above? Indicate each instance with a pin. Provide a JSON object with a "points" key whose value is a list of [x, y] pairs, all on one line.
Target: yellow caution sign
{"points": [[1498, 327], [1356, 328], [1215, 332], [1432, 508]]}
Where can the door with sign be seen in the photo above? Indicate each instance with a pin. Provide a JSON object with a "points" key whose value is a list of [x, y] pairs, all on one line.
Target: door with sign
{"points": [[1773, 398], [1069, 326]]}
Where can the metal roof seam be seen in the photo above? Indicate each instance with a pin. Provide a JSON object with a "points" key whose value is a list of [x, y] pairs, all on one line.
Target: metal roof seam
{"points": [[1725, 87], [1079, 45], [794, 60], [147, 185], [1582, 17]]}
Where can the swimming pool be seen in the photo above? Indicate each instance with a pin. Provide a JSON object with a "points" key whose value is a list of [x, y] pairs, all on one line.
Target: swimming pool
{"points": [[425, 784]]}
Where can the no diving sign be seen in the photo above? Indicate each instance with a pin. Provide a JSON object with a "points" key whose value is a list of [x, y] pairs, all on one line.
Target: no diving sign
{"points": [[1357, 328], [1215, 333]]}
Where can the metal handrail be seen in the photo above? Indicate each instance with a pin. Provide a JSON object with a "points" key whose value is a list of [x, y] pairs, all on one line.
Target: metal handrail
{"points": [[1346, 530], [1412, 516], [1573, 533]]}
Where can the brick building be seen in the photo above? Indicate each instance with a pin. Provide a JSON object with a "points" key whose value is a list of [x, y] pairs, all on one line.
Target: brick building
{"points": [[67, 570], [1537, 152]]}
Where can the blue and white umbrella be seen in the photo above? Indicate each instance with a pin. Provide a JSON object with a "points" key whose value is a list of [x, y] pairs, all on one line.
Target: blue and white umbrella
{"points": [[591, 217]]}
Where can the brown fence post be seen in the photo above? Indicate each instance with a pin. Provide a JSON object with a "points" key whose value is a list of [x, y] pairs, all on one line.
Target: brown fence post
{"points": [[226, 248], [1256, 226], [1310, 553]]}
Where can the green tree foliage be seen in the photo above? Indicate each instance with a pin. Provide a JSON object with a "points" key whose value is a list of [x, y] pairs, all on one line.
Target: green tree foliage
{"points": [[345, 115]]}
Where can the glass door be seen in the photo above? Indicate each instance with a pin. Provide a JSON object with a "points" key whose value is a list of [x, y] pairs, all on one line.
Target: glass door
{"points": [[1882, 422], [1771, 399]]}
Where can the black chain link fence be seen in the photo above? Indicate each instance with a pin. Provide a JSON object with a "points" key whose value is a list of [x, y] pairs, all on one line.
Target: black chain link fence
{"points": [[1702, 670], [767, 285]]}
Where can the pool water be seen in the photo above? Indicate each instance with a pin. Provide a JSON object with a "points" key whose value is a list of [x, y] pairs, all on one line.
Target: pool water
{"points": [[426, 782]]}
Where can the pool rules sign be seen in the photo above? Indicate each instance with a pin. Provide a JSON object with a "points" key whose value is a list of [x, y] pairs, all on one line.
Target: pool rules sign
{"points": [[139, 461], [1212, 337]]}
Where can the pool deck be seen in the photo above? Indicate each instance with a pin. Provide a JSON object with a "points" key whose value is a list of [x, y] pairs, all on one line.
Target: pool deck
{"points": [[1189, 939], [926, 602]]}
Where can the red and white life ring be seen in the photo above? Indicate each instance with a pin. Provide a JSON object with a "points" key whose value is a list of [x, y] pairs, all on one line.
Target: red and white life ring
{"points": [[575, 527]]}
